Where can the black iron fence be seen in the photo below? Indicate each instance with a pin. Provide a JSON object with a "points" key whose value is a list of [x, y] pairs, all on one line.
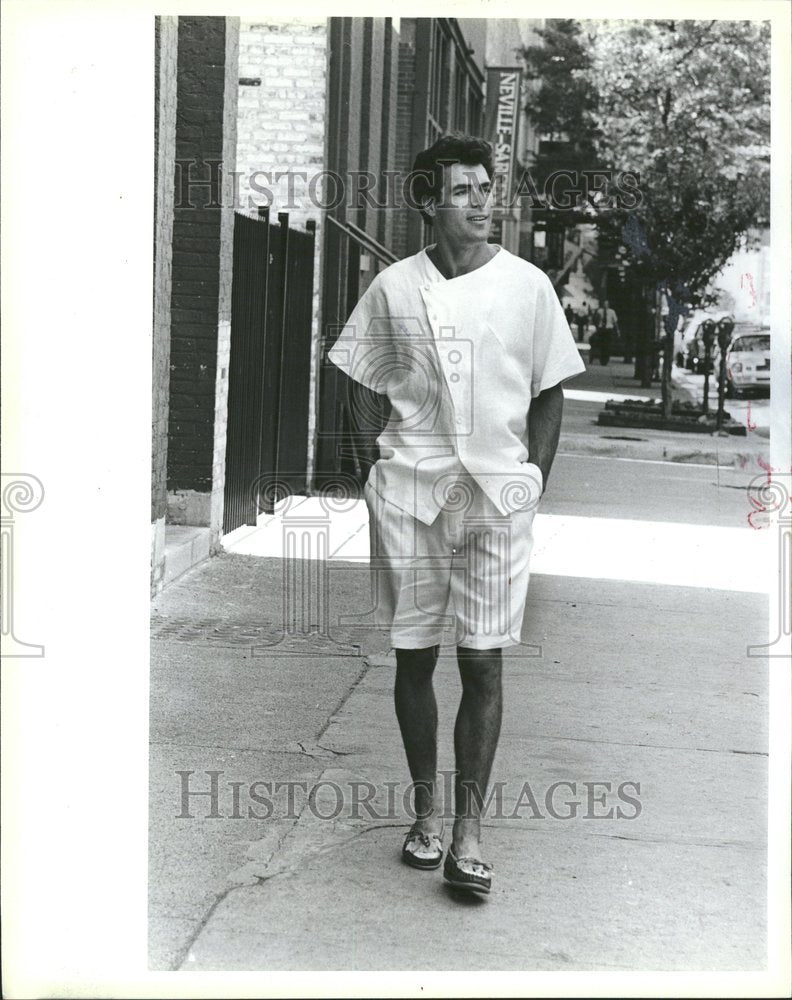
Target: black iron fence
{"points": [[270, 363]]}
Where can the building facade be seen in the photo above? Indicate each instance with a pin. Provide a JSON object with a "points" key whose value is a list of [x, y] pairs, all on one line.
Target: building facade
{"points": [[320, 119], [196, 60]]}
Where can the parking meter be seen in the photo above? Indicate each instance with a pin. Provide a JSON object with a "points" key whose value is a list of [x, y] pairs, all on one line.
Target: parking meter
{"points": [[708, 332], [708, 329], [724, 330]]}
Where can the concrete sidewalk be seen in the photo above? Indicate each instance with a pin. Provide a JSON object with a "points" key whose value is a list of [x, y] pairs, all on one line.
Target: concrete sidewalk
{"points": [[639, 683], [632, 683]]}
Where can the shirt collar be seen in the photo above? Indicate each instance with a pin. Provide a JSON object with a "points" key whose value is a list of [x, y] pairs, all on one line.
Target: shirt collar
{"points": [[433, 274]]}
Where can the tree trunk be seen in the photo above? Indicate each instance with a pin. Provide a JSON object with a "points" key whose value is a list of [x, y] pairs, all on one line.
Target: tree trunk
{"points": [[668, 357], [647, 359], [640, 353], [643, 347]]}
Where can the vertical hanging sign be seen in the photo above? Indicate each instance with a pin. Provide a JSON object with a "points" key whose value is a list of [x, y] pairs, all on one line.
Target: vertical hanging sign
{"points": [[503, 107]]}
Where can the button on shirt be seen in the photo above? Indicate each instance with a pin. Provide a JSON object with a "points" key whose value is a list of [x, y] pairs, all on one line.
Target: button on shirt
{"points": [[460, 360]]}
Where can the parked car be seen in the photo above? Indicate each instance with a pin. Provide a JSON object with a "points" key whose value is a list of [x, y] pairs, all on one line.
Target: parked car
{"points": [[684, 331], [748, 362]]}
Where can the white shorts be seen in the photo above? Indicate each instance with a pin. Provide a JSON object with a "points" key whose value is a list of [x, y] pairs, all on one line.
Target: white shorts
{"points": [[469, 569]]}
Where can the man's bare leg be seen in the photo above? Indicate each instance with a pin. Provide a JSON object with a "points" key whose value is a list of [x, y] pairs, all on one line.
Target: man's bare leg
{"points": [[416, 710], [476, 736]]}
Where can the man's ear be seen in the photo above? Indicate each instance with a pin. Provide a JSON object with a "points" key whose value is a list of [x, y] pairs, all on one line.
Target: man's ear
{"points": [[429, 205]]}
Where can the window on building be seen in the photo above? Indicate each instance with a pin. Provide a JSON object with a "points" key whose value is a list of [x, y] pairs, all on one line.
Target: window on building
{"points": [[460, 99], [467, 101], [440, 77], [475, 103], [455, 99]]}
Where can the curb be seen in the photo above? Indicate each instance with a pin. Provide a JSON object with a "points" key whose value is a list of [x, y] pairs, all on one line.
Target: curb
{"points": [[662, 451]]}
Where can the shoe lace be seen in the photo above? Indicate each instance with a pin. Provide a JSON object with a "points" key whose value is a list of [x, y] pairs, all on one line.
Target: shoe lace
{"points": [[424, 838], [474, 863]]}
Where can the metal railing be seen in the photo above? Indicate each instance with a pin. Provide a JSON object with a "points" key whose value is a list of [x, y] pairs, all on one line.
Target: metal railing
{"points": [[342, 445]]}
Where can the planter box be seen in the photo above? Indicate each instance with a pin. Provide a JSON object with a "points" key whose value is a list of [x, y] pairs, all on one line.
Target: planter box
{"points": [[678, 407], [653, 418]]}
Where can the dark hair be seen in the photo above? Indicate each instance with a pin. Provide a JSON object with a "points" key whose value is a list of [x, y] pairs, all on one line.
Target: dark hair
{"points": [[455, 147]]}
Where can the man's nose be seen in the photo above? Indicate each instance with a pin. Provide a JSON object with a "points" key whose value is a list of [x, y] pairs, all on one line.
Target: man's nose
{"points": [[479, 197]]}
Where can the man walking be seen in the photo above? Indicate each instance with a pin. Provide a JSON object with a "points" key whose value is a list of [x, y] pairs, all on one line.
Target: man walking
{"points": [[582, 320], [607, 330], [470, 345]]}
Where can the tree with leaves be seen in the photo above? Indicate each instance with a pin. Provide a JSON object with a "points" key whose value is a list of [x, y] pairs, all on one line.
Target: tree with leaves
{"points": [[562, 101], [686, 104]]}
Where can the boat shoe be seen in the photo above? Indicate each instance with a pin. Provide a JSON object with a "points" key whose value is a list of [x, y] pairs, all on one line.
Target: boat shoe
{"points": [[467, 873], [422, 850]]}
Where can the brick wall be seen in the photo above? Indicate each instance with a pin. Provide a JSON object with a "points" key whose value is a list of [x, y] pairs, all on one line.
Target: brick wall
{"points": [[404, 154], [281, 124], [281, 129], [200, 303], [166, 47]]}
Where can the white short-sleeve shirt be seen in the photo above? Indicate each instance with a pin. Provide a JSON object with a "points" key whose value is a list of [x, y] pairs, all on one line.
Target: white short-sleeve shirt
{"points": [[460, 360]]}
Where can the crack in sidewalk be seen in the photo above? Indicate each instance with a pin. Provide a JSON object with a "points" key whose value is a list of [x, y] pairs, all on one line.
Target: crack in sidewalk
{"points": [[246, 875]]}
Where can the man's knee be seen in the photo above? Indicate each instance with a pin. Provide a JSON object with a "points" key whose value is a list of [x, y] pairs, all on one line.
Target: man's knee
{"points": [[416, 664], [480, 670]]}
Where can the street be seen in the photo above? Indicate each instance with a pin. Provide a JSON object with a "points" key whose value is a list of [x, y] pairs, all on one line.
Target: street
{"points": [[753, 410], [634, 686]]}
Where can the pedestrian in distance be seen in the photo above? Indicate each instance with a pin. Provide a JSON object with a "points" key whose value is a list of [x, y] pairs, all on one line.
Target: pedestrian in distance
{"points": [[470, 345], [607, 330], [582, 320]]}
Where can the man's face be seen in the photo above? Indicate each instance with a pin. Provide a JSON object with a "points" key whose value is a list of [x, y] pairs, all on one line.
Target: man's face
{"points": [[463, 212]]}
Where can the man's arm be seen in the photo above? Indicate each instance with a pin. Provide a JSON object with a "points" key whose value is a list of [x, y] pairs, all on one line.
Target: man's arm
{"points": [[370, 418], [544, 428]]}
